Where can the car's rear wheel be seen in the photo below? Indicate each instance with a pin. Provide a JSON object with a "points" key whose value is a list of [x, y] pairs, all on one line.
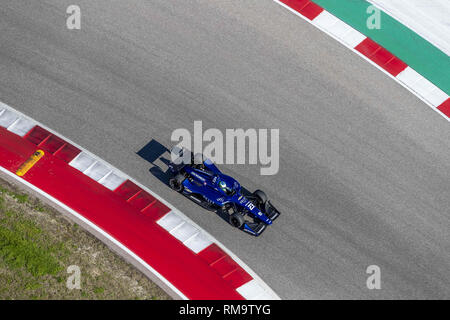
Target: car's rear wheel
{"points": [[237, 220], [176, 183], [261, 197]]}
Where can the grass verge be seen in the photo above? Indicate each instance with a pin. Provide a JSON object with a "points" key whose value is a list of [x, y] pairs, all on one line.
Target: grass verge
{"points": [[37, 245]]}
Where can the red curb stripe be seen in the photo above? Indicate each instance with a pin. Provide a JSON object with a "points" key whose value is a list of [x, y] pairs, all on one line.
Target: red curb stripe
{"points": [[381, 56], [37, 135], [238, 277], [22, 151], [112, 213], [68, 153], [52, 143], [306, 7], [311, 10], [395, 66], [367, 47], [142, 200], [156, 210], [445, 107], [225, 266], [127, 190], [212, 253]]}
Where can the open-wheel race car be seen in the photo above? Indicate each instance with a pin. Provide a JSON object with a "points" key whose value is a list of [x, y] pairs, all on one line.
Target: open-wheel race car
{"points": [[200, 180]]}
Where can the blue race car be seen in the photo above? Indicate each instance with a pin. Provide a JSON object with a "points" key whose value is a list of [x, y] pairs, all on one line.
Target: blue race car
{"points": [[201, 181]]}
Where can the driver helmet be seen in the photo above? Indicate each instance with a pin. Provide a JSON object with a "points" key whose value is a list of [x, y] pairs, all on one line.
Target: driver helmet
{"points": [[223, 187]]}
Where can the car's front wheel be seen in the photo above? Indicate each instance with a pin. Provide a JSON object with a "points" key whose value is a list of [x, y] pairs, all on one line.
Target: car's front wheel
{"points": [[237, 220], [261, 197]]}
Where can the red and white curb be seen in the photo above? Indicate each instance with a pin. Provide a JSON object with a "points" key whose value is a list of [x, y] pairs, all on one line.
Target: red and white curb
{"points": [[434, 97], [231, 270]]}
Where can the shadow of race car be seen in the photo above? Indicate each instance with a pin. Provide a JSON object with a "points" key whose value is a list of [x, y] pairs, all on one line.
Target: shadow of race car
{"points": [[200, 180]]}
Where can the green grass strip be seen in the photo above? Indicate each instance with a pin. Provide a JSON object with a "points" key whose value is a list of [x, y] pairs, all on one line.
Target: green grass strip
{"points": [[404, 43], [19, 252], [22, 244]]}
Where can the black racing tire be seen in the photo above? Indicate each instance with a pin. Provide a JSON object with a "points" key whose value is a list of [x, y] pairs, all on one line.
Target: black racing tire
{"points": [[176, 183], [237, 220], [261, 197]]}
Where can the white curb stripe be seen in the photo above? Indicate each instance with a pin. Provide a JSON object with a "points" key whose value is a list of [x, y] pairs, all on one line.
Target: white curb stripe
{"points": [[422, 87], [14, 122], [97, 170], [82, 162], [339, 29], [184, 231], [112, 181], [7, 118], [253, 291], [21, 127]]}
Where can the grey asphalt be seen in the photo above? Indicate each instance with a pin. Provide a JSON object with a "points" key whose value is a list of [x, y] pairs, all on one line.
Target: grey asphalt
{"points": [[365, 166]]}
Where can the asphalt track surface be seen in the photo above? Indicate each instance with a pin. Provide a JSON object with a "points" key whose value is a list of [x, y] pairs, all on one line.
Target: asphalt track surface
{"points": [[365, 166]]}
